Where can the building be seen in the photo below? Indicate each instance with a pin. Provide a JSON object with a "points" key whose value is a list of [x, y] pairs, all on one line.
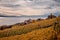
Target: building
{"points": [[51, 16]]}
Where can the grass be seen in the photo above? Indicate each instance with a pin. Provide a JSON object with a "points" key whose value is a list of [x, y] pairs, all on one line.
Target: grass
{"points": [[18, 30], [39, 34], [39, 30]]}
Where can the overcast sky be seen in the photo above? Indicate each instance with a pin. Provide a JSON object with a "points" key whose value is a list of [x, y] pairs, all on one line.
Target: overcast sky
{"points": [[29, 7]]}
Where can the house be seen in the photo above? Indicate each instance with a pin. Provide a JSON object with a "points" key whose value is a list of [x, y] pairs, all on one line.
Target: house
{"points": [[51, 16]]}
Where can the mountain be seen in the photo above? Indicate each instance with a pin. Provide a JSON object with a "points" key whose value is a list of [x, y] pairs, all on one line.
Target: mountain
{"points": [[7, 16], [4, 15], [21, 15]]}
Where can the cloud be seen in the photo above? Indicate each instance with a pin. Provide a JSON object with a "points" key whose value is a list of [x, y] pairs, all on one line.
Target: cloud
{"points": [[29, 7], [10, 5], [57, 1]]}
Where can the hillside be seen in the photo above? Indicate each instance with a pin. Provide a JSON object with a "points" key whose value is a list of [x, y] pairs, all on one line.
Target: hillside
{"points": [[39, 34], [38, 30]]}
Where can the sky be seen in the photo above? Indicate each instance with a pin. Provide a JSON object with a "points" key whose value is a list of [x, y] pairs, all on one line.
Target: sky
{"points": [[29, 7]]}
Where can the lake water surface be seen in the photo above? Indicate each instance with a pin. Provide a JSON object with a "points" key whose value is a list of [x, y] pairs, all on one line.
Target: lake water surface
{"points": [[14, 20]]}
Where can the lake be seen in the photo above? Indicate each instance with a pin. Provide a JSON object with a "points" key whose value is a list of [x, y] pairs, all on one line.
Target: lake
{"points": [[14, 20]]}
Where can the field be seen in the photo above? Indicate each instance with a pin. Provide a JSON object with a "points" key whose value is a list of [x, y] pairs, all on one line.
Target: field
{"points": [[39, 30], [39, 34]]}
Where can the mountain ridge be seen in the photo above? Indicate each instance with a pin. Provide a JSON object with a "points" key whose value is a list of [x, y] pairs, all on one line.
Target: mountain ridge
{"points": [[45, 15]]}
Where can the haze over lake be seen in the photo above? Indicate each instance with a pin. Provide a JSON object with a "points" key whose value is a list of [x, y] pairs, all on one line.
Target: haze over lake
{"points": [[13, 20]]}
